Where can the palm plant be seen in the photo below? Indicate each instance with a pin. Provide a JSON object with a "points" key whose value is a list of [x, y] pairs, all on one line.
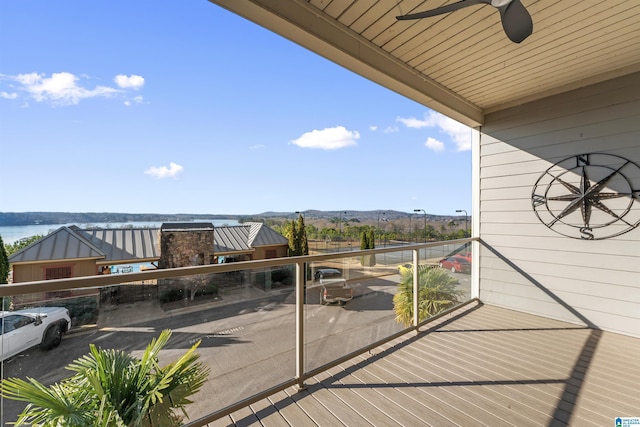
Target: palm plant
{"points": [[112, 388], [437, 291]]}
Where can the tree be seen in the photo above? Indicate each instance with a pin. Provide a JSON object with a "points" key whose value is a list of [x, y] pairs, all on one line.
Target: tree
{"points": [[4, 263], [22, 243], [368, 241], [292, 236], [297, 235], [200, 282], [112, 388], [430, 231], [302, 236], [364, 241], [371, 237], [436, 292]]}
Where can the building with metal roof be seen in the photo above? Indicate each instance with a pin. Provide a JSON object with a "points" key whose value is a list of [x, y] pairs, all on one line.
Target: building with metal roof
{"points": [[73, 252]]}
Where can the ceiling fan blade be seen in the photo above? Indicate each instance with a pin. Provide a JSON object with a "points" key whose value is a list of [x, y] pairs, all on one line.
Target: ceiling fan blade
{"points": [[516, 21], [444, 9]]}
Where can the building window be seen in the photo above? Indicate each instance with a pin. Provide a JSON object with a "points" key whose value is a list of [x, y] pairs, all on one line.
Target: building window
{"points": [[271, 253], [53, 273]]}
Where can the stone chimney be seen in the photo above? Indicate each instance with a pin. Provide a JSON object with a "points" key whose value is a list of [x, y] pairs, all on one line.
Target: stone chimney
{"points": [[183, 244]]}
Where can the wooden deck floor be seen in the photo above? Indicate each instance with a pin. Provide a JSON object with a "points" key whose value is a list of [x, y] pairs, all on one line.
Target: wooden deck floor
{"points": [[487, 366]]}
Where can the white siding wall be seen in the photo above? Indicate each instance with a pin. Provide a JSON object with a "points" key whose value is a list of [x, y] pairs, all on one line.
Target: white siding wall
{"points": [[599, 279]]}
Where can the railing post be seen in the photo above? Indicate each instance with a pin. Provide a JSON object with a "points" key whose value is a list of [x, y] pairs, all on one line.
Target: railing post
{"points": [[475, 269], [416, 317], [301, 282]]}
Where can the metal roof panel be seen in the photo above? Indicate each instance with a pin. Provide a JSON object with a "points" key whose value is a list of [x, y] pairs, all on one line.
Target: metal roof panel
{"points": [[64, 243]]}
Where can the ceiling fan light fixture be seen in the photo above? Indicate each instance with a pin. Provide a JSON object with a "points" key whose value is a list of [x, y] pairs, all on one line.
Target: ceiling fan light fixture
{"points": [[500, 3]]}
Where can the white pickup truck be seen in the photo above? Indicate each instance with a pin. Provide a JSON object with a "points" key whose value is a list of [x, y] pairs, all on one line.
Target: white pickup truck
{"points": [[23, 329]]}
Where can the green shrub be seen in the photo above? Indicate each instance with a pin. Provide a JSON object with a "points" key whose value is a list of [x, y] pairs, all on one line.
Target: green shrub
{"points": [[210, 289], [171, 295], [281, 276], [82, 311], [438, 291]]}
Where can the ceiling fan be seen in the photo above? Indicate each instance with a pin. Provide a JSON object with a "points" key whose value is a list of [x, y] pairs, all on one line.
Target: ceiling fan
{"points": [[516, 21]]}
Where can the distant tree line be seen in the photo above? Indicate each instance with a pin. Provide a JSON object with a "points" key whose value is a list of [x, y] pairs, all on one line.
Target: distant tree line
{"points": [[30, 218], [351, 230]]}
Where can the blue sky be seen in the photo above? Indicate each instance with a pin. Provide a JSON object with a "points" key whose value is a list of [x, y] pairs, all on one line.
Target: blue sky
{"points": [[182, 107]]}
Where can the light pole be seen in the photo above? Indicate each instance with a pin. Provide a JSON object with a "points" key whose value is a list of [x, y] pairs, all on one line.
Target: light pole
{"points": [[340, 230], [466, 220], [378, 227], [425, 222]]}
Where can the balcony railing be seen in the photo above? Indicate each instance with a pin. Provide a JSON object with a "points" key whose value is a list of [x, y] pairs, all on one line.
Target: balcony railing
{"points": [[261, 324]]}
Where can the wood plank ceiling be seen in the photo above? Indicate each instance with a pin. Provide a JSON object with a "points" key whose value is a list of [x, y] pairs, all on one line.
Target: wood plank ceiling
{"points": [[461, 63]]}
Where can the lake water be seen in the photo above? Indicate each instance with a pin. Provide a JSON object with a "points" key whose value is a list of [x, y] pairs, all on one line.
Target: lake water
{"points": [[13, 233]]}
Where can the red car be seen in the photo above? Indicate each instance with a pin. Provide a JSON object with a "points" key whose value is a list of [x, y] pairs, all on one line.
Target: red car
{"points": [[465, 255], [456, 264]]}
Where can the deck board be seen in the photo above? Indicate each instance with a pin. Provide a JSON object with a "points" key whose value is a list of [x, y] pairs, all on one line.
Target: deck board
{"points": [[268, 415], [487, 367], [318, 414], [370, 414], [245, 418], [291, 412]]}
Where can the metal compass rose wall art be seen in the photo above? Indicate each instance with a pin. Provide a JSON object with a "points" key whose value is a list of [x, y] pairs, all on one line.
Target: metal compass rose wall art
{"points": [[590, 196]]}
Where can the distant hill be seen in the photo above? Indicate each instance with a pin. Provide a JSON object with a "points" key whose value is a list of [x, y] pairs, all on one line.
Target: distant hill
{"points": [[29, 218], [361, 215]]}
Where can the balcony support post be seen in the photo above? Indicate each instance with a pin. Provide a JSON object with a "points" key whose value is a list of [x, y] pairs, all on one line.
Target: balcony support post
{"points": [[416, 314], [300, 298]]}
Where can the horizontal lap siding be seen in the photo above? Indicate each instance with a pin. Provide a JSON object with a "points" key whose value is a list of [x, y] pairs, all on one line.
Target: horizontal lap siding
{"points": [[599, 279]]}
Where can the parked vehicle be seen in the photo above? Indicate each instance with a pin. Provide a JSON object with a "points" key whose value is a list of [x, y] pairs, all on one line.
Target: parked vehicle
{"points": [[456, 264], [327, 272], [23, 329], [465, 255], [334, 289]]}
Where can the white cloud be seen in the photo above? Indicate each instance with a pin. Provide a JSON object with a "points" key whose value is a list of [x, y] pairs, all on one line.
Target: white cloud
{"points": [[65, 88], [391, 129], [328, 139], [434, 144], [459, 133], [129, 82], [412, 122], [137, 99], [373, 128], [257, 146], [164, 172], [6, 95], [60, 88]]}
